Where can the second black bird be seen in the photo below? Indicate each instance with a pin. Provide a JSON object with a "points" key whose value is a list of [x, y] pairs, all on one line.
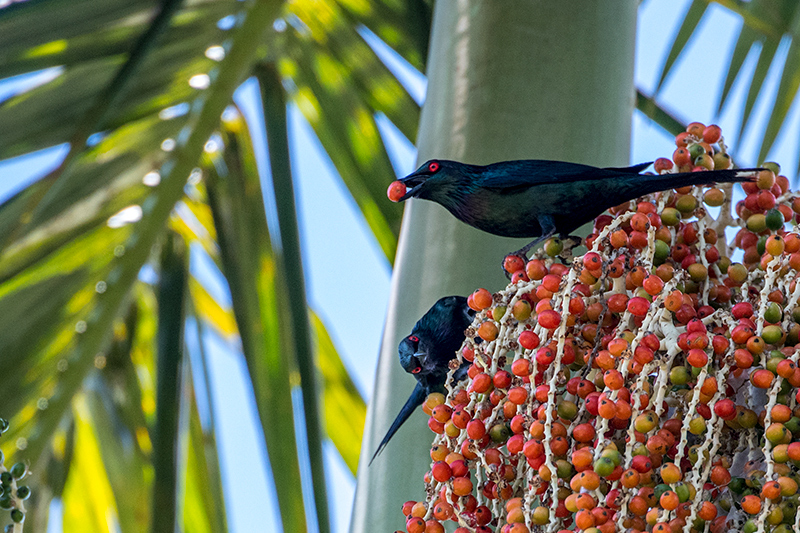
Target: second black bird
{"points": [[535, 198], [427, 352]]}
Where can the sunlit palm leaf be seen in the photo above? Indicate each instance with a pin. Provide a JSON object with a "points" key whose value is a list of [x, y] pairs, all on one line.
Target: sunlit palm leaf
{"points": [[114, 399], [347, 128], [211, 311], [766, 24], [405, 26], [690, 21], [344, 408], [286, 249], [651, 109], [203, 504], [345, 63], [100, 310], [88, 501], [204, 501], [249, 266]]}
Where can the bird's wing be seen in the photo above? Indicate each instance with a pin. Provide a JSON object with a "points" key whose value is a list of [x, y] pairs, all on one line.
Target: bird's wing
{"points": [[415, 400], [512, 176]]}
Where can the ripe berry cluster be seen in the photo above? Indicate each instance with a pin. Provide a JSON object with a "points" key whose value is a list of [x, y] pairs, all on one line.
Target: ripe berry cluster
{"points": [[651, 385], [11, 493]]}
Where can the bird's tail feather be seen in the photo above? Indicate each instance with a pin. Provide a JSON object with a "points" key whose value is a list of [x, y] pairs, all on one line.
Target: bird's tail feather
{"points": [[635, 169], [414, 401], [682, 179]]}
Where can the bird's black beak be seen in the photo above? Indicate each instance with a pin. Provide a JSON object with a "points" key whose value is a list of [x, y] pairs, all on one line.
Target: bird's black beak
{"points": [[422, 357], [415, 181]]}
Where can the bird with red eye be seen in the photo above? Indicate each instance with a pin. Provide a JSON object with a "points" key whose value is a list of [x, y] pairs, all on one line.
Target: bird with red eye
{"points": [[426, 354], [540, 199]]}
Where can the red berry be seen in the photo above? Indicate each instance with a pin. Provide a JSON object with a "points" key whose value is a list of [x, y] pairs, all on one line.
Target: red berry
{"points": [[662, 164], [513, 263], [712, 134], [638, 306], [528, 340], [441, 470], [549, 319], [725, 409], [397, 189], [415, 524]]}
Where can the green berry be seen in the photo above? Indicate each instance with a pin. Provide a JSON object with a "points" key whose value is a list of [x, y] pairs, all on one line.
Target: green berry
{"points": [[682, 490], [679, 375], [686, 203], [670, 216], [567, 409], [722, 161], [499, 433], [773, 313], [23, 492], [604, 466], [564, 469], [553, 246], [17, 516], [5, 502], [660, 489], [761, 245], [756, 223], [772, 334], [774, 167], [19, 470], [774, 219], [696, 150], [737, 485], [661, 250]]}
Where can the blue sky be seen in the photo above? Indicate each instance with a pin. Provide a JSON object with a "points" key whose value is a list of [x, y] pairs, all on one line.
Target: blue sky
{"points": [[348, 285]]}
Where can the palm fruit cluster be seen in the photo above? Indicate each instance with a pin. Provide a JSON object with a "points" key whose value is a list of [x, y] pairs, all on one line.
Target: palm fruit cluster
{"points": [[12, 494], [648, 385]]}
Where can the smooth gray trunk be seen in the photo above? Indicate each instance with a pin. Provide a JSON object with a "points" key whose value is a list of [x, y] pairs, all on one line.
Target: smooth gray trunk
{"points": [[521, 79]]}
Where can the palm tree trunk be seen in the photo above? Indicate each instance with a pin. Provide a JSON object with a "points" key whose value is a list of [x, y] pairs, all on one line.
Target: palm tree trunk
{"points": [[507, 80]]}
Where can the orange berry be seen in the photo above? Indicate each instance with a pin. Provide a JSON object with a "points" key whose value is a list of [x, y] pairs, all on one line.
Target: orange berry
{"points": [[751, 504], [707, 511], [481, 299], [488, 331], [771, 490]]}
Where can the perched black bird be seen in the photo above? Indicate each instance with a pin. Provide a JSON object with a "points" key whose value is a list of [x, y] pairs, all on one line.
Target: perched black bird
{"points": [[427, 352], [534, 198]]}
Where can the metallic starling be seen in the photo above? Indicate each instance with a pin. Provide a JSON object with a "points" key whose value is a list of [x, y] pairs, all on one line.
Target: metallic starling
{"points": [[426, 354], [534, 198]]}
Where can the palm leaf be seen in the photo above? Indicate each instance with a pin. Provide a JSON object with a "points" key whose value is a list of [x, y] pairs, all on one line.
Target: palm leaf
{"points": [[765, 24], [256, 290]]}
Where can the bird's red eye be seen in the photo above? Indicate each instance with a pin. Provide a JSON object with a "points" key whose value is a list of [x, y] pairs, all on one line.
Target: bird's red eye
{"points": [[413, 338], [433, 166], [416, 370]]}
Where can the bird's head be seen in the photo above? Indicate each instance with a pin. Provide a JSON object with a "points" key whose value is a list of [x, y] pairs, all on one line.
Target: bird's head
{"points": [[415, 358], [435, 177], [440, 331], [412, 354]]}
